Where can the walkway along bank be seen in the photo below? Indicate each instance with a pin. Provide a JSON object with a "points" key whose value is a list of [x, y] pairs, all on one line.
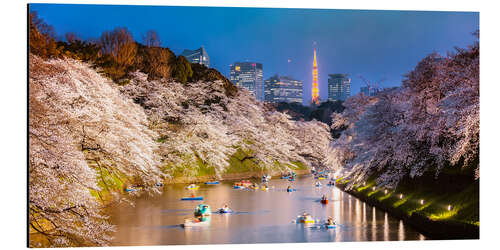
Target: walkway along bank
{"points": [[436, 229]]}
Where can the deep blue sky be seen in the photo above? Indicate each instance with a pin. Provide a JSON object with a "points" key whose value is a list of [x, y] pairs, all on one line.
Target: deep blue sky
{"points": [[373, 44]]}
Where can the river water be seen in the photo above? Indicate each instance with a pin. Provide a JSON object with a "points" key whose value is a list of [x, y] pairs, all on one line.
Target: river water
{"points": [[259, 216]]}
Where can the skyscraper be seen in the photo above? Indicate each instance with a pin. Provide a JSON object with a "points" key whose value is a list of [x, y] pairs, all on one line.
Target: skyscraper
{"points": [[248, 75], [315, 90], [197, 56], [339, 87], [282, 89]]}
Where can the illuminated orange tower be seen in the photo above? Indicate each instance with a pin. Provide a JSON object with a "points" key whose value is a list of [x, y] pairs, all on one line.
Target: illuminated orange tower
{"points": [[315, 90]]}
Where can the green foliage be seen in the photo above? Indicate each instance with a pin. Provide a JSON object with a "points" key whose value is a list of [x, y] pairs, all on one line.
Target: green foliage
{"points": [[182, 71]]}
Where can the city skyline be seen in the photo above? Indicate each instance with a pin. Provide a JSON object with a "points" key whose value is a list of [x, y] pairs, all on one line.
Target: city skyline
{"points": [[371, 43]]}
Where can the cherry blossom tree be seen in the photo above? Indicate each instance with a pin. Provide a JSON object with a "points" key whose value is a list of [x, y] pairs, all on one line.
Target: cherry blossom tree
{"points": [[429, 123], [80, 126]]}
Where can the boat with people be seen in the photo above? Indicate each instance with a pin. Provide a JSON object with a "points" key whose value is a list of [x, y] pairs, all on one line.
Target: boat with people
{"points": [[305, 218], [264, 188], [253, 186], [192, 198], [224, 209], [212, 182], [202, 216], [324, 200], [266, 178], [330, 223], [202, 210], [318, 184], [289, 189], [192, 187], [194, 222], [331, 183]]}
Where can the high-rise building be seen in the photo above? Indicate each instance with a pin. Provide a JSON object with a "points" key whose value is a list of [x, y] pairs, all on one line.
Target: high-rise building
{"points": [[197, 56], [282, 89], [315, 89], [339, 87], [248, 75]]}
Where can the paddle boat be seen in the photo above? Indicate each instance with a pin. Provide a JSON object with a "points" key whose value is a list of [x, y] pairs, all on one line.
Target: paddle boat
{"points": [[266, 178], [212, 182], [192, 187], [192, 198], [289, 189], [246, 183], [224, 210], [202, 210], [318, 184], [264, 188], [324, 200], [253, 187], [329, 224], [331, 183], [194, 222], [202, 217], [305, 218]]}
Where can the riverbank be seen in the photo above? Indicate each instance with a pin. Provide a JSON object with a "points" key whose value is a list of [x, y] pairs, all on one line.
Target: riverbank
{"points": [[438, 215], [228, 176]]}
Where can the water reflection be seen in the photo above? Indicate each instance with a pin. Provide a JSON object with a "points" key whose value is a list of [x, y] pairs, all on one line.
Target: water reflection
{"points": [[260, 217]]}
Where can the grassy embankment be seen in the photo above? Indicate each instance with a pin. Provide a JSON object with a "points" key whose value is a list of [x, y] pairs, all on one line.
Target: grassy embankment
{"points": [[443, 208], [242, 165]]}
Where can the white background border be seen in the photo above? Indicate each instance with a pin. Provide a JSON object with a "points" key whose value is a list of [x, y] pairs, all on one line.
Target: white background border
{"points": [[13, 103]]}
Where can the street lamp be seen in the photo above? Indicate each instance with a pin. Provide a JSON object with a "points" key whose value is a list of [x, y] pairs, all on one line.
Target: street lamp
{"points": [[385, 191], [401, 196], [422, 202], [450, 207]]}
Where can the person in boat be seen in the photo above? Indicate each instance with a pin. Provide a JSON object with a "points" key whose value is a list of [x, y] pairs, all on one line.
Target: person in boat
{"points": [[225, 208], [318, 183], [330, 221], [324, 198], [306, 216], [289, 189], [201, 214]]}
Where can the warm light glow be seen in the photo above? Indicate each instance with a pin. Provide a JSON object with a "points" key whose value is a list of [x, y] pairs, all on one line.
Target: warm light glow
{"points": [[421, 202], [237, 68], [373, 188], [450, 207], [315, 90], [385, 191], [400, 196]]}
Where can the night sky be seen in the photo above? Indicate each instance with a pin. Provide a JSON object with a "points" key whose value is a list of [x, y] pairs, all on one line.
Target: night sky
{"points": [[373, 44]]}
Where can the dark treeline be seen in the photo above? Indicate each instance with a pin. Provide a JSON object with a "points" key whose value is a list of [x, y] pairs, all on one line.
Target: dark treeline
{"points": [[116, 54]]}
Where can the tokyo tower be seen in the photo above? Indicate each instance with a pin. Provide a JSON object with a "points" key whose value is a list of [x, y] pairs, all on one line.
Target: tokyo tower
{"points": [[315, 90]]}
